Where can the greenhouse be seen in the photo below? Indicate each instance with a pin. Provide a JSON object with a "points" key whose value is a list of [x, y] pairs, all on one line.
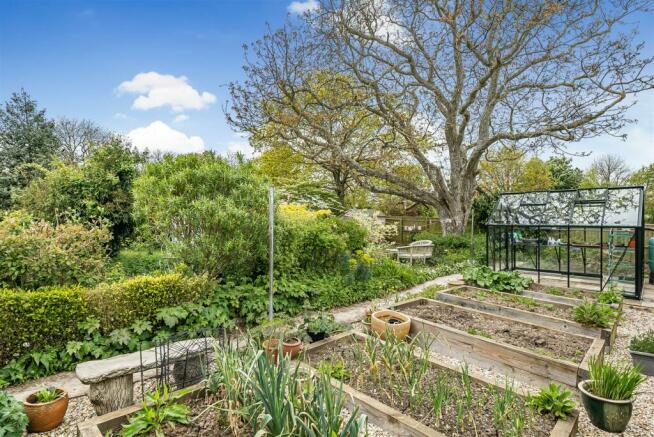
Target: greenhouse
{"points": [[586, 233]]}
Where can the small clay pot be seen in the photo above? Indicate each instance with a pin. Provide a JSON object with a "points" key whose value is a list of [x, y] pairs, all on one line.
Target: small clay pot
{"points": [[392, 321], [46, 416], [291, 347]]}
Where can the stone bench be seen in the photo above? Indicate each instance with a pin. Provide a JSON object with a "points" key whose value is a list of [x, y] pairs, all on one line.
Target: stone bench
{"points": [[111, 380]]}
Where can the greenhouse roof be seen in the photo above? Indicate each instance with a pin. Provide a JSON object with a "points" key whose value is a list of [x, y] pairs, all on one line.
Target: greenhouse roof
{"points": [[614, 207]]}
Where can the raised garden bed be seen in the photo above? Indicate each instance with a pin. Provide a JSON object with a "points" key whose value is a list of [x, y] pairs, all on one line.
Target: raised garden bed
{"points": [[550, 314], [402, 405], [195, 397], [503, 342]]}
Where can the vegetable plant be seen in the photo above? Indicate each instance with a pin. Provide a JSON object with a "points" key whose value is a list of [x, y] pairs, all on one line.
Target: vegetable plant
{"points": [[554, 400], [643, 342], [336, 370], [594, 314], [610, 295], [163, 409], [485, 277], [13, 419], [47, 394], [613, 381]]}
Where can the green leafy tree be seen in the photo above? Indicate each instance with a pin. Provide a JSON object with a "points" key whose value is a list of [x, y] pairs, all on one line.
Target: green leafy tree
{"points": [[26, 137], [645, 176], [209, 212], [564, 175], [98, 191]]}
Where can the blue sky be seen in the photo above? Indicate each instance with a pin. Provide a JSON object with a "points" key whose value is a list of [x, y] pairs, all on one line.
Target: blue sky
{"points": [[159, 69]]}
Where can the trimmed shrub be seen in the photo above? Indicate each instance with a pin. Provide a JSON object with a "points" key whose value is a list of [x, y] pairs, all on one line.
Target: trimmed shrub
{"points": [[130, 262], [36, 254], [33, 320], [119, 304]]}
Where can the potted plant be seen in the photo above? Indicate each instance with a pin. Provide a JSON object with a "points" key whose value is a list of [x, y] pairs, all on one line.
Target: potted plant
{"points": [[608, 395], [46, 408], [641, 349], [388, 321], [320, 327]]}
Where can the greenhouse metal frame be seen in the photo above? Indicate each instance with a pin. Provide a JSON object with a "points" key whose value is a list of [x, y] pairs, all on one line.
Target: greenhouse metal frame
{"points": [[583, 233]]}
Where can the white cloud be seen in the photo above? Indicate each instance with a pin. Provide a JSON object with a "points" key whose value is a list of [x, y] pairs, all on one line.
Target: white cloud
{"points": [[242, 147], [301, 7], [158, 90], [120, 116], [181, 117], [159, 136]]}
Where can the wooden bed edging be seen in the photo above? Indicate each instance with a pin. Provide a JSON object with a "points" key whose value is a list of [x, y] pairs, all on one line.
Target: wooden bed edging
{"points": [[507, 355], [552, 322], [100, 425], [401, 424]]}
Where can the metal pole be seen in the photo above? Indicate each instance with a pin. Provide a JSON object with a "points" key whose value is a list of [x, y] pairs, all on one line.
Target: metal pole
{"points": [[472, 236], [271, 248]]}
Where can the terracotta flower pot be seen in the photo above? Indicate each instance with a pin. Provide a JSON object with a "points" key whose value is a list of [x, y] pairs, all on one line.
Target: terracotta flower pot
{"points": [[48, 415], [392, 321], [606, 414], [291, 348]]}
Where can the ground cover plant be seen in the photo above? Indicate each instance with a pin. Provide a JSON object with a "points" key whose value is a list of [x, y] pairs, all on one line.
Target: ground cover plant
{"points": [[400, 375]]}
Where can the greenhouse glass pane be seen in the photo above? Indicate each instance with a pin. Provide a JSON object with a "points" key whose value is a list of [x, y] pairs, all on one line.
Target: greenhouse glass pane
{"points": [[622, 208], [559, 207], [530, 211], [505, 211]]}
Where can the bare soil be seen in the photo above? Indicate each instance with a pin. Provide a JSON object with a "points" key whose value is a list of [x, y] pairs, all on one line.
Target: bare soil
{"points": [[477, 418], [516, 301], [574, 293], [540, 340]]}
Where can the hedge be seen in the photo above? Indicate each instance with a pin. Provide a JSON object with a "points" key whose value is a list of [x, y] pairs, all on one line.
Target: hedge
{"points": [[32, 320], [117, 305]]}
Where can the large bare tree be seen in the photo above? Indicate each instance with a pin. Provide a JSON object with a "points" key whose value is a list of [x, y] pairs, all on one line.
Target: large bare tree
{"points": [[78, 138], [454, 79]]}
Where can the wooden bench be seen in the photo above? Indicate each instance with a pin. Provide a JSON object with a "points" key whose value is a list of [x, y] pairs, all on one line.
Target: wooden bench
{"points": [[111, 380]]}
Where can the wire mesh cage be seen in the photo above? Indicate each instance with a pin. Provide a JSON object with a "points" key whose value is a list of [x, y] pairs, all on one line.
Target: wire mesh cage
{"points": [[184, 358]]}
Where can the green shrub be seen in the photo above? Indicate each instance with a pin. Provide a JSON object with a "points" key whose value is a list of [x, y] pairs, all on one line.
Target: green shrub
{"points": [[130, 262], [34, 320], [36, 254], [117, 305], [208, 212], [485, 277], [643, 342], [13, 420], [98, 190]]}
